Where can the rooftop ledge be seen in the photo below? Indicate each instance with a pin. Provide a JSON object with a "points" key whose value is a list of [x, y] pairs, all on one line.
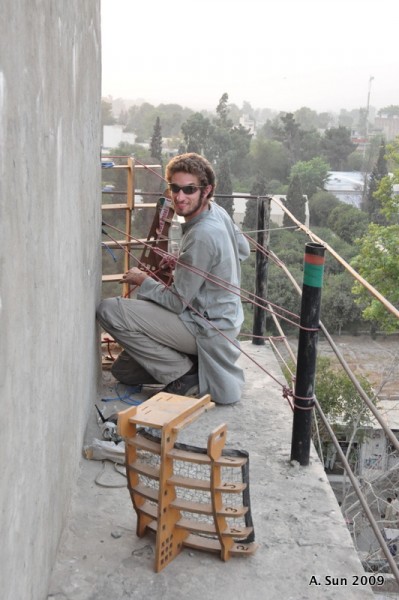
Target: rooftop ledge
{"points": [[305, 549]]}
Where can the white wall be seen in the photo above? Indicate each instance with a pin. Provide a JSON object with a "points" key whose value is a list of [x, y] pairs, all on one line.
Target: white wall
{"points": [[50, 271]]}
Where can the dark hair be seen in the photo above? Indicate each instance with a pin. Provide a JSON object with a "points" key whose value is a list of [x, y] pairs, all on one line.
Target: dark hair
{"points": [[195, 164]]}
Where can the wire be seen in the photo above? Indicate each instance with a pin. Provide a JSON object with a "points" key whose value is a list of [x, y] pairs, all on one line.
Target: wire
{"points": [[126, 398]]}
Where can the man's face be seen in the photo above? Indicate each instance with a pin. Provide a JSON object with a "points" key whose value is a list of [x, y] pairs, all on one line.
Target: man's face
{"points": [[189, 205]]}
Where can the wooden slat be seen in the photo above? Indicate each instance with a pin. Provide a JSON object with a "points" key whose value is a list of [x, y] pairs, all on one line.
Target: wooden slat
{"points": [[210, 529], [114, 206], [165, 408], [201, 484], [243, 549], [188, 420], [201, 543], [231, 487], [145, 492], [205, 508], [113, 277], [144, 469], [190, 483], [149, 509], [192, 457], [120, 243], [144, 444], [197, 458]]}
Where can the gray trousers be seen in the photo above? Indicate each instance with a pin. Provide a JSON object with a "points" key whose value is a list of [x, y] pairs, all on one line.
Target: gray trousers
{"points": [[156, 342]]}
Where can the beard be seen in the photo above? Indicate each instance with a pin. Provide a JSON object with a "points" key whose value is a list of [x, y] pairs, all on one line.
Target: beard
{"points": [[195, 207]]}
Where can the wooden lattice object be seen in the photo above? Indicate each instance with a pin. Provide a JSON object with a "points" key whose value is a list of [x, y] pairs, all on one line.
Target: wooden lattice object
{"points": [[188, 496]]}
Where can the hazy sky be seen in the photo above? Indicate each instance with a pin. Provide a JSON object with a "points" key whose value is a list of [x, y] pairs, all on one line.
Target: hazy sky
{"points": [[279, 54]]}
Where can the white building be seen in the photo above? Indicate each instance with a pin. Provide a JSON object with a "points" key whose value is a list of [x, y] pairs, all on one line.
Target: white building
{"points": [[113, 135], [346, 186], [276, 212]]}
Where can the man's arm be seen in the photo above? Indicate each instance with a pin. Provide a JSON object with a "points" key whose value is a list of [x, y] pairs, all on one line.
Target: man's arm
{"points": [[186, 285]]}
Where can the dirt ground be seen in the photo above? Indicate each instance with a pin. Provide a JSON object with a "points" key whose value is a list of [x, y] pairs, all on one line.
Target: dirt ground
{"points": [[378, 360]]}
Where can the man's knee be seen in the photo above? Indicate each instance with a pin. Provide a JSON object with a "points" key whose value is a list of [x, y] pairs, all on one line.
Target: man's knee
{"points": [[106, 310]]}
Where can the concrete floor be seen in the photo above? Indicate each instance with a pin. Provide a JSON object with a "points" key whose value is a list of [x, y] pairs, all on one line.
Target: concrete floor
{"points": [[305, 550]]}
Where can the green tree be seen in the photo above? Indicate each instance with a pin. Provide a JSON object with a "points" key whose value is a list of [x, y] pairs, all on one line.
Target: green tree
{"points": [[378, 263], [156, 142], [197, 131], [338, 398], [312, 174], [372, 205], [141, 119], [287, 131], [240, 163], [107, 117], [270, 158], [222, 110], [378, 257], [348, 222], [389, 111], [224, 185], [306, 118], [336, 146], [339, 310], [295, 202], [320, 206]]}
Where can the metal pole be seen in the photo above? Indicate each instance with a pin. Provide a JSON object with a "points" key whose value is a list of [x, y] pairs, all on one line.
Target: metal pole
{"points": [[261, 268], [307, 351]]}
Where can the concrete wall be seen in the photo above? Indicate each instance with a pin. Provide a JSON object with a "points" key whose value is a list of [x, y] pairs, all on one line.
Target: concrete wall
{"points": [[50, 67]]}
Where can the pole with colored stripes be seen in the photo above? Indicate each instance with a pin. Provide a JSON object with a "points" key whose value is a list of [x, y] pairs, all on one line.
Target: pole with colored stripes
{"points": [[307, 352]]}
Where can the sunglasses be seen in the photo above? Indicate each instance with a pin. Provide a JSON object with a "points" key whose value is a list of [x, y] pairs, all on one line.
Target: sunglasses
{"points": [[186, 189]]}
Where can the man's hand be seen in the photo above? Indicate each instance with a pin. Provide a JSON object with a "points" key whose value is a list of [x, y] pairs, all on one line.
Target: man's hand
{"points": [[134, 276]]}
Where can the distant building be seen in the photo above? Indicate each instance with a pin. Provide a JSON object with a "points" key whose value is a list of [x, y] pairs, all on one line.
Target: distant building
{"points": [[249, 123], [347, 186], [389, 126], [276, 213], [113, 135]]}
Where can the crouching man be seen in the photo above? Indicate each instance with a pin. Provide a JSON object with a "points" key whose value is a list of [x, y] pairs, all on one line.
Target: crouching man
{"points": [[180, 336]]}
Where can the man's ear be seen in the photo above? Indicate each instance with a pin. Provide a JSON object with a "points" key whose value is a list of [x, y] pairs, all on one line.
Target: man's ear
{"points": [[208, 191]]}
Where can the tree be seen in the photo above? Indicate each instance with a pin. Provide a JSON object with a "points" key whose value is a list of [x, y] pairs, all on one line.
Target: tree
{"points": [[339, 310], [224, 185], [389, 111], [306, 117], [197, 132], [270, 158], [348, 222], [156, 141], [295, 202], [336, 146], [287, 132], [343, 406], [320, 206], [372, 205], [141, 119], [312, 174], [337, 396], [239, 156], [222, 111], [107, 117], [378, 263], [378, 257]]}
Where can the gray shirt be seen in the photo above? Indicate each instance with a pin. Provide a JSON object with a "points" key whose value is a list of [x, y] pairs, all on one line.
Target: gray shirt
{"points": [[214, 246]]}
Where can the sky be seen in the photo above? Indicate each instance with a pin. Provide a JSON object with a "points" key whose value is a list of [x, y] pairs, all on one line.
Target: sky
{"points": [[277, 54]]}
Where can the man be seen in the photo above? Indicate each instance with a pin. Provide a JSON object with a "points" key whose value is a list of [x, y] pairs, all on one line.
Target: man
{"points": [[170, 335]]}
